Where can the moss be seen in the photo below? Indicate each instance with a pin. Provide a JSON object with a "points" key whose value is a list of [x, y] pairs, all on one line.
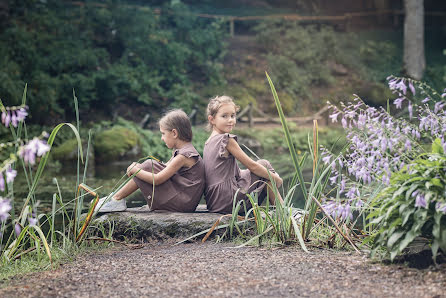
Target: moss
{"points": [[115, 143]]}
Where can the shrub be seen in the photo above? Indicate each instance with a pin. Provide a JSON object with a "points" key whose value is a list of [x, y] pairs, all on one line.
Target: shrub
{"points": [[387, 171], [413, 205], [300, 60]]}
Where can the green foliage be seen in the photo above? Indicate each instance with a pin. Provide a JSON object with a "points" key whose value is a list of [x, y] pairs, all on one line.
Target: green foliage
{"points": [[108, 54], [379, 57], [299, 60], [399, 221]]}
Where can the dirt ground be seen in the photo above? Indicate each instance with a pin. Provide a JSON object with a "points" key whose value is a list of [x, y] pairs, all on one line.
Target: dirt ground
{"points": [[210, 269]]}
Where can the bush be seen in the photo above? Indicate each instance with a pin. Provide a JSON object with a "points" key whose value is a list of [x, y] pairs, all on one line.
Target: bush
{"points": [[109, 54], [299, 59], [413, 205]]}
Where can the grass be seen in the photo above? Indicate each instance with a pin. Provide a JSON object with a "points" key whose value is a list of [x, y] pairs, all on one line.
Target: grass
{"points": [[29, 263]]}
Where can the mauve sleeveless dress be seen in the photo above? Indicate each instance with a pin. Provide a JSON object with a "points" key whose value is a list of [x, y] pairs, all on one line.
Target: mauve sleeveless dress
{"points": [[181, 192], [224, 177]]}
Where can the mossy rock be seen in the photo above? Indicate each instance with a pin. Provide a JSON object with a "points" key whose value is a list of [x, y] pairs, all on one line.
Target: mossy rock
{"points": [[67, 151], [117, 143]]}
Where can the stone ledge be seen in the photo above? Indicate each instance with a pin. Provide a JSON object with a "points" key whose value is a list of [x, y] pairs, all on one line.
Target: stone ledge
{"points": [[142, 224]]}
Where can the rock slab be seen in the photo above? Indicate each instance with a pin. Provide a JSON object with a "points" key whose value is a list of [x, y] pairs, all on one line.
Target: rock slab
{"points": [[144, 225]]}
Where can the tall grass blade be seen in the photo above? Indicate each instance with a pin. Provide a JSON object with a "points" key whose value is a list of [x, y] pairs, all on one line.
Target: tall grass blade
{"points": [[288, 138], [44, 159]]}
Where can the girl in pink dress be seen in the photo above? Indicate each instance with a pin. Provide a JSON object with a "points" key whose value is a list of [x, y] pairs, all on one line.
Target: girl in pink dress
{"points": [[179, 184], [220, 155]]}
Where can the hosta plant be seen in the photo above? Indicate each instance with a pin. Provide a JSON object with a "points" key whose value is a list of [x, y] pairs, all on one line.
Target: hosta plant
{"points": [[413, 205]]}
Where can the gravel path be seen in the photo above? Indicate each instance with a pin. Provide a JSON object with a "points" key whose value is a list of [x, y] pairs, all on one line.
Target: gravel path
{"points": [[195, 269]]}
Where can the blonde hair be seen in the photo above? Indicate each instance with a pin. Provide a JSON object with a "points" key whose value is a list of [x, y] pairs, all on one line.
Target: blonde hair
{"points": [[177, 119], [214, 105]]}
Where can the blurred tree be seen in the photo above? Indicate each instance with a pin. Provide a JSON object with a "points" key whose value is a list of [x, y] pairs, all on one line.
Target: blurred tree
{"points": [[414, 58]]}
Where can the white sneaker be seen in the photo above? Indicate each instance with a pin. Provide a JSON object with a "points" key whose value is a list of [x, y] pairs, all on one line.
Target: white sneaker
{"points": [[111, 205]]}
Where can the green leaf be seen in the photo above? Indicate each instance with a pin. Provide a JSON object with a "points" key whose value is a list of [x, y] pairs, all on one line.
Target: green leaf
{"points": [[436, 147], [394, 238]]}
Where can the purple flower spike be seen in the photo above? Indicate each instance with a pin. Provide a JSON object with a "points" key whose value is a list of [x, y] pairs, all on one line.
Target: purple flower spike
{"points": [[425, 100], [5, 207]]}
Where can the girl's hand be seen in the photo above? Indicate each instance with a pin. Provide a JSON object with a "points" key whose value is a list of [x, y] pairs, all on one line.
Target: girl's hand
{"points": [[133, 168]]}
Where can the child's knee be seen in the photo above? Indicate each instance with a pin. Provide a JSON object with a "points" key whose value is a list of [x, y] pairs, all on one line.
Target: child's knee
{"points": [[265, 163]]}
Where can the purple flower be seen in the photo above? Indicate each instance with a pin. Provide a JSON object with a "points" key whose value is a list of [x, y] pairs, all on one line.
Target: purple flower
{"points": [[21, 114], [398, 102], [425, 100], [334, 117], [32, 221], [333, 179], [5, 207], [14, 120], [411, 87], [438, 106], [7, 119], [401, 86], [10, 175], [407, 145], [342, 187], [33, 148], [17, 229], [344, 122], [420, 200]]}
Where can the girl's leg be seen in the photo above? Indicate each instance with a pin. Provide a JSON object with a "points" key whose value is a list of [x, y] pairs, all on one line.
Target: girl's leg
{"points": [[129, 188], [271, 195]]}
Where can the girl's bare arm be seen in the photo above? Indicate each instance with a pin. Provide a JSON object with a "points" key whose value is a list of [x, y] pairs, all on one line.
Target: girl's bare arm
{"points": [[256, 168], [172, 167]]}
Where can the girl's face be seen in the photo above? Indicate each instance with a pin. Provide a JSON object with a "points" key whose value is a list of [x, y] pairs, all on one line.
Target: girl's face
{"points": [[169, 137], [224, 120]]}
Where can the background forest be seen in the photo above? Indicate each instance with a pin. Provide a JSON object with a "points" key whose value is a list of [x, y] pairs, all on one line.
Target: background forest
{"points": [[126, 58]]}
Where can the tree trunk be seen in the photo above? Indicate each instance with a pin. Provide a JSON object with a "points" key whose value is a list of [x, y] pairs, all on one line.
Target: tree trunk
{"points": [[414, 60]]}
